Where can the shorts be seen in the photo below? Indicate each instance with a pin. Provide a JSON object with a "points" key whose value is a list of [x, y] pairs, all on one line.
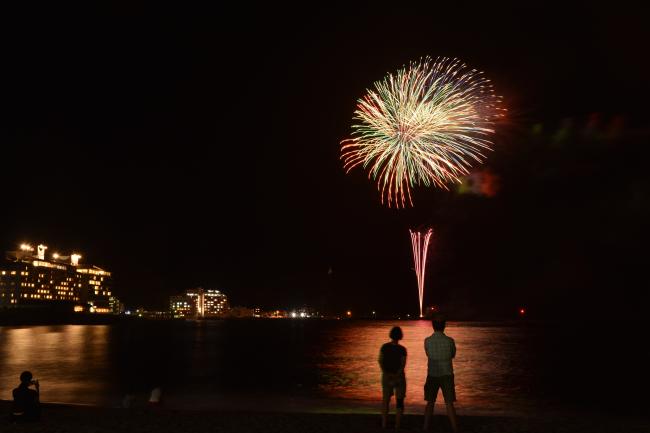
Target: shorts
{"points": [[446, 383], [393, 382]]}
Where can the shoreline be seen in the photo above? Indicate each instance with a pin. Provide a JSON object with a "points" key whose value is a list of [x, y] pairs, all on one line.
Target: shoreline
{"points": [[74, 418], [274, 403], [20, 318]]}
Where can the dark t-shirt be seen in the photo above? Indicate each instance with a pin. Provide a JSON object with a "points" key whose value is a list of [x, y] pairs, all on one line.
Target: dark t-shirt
{"points": [[25, 401], [391, 355]]}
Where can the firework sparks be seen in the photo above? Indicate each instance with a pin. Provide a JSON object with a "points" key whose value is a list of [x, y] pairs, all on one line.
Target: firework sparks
{"points": [[420, 241], [425, 125]]}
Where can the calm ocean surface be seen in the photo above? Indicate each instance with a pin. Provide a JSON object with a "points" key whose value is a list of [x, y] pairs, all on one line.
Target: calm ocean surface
{"points": [[318, 365]]}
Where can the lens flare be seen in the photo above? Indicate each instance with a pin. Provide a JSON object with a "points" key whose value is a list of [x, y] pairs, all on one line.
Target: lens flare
{"points": [[425, 125]]}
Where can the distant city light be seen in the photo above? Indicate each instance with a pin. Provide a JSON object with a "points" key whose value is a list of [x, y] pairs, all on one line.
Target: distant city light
{"points": [[75, 259], [293, 314], [200, 303], [522, 311], [81, 288], [348, 313]]}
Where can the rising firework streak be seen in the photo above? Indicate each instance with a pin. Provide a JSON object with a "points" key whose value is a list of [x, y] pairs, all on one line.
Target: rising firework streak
{"points": [[420, 240], [425, 125]]}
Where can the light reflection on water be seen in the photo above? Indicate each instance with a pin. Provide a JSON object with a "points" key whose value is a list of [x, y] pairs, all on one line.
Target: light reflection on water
{"points": [[211, 361], [487, 369], [69, 360]]}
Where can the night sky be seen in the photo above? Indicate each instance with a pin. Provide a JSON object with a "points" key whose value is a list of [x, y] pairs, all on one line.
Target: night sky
{"points": [[180, 148]]}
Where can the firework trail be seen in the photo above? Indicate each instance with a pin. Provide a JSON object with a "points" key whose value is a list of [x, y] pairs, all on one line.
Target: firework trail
{"points": [[425, 125], [420, 241]]}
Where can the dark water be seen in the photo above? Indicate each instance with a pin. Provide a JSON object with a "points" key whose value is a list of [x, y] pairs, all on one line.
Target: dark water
{"points": [[323, 365]]}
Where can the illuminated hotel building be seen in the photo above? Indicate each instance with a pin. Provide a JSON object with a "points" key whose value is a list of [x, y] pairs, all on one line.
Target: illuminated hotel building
{"points": [[199, 303], [28, 278], [180, 306], [116, 306]]}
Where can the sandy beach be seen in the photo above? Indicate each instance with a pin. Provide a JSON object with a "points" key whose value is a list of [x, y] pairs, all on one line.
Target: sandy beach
{"points": [[66, 418]]}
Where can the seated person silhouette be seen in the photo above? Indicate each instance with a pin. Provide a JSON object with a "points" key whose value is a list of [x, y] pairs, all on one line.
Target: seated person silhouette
{"points": [[26, 405]]}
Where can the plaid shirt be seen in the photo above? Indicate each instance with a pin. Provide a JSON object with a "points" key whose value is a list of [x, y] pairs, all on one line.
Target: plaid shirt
{"points": [[440, 350]]}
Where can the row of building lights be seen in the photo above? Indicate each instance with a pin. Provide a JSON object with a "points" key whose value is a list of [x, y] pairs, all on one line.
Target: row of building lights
{"points": [[74, 257]]}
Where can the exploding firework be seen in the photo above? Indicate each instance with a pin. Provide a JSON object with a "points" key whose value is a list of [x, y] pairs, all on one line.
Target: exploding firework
{"points": [[420, 240], [425, 125]]}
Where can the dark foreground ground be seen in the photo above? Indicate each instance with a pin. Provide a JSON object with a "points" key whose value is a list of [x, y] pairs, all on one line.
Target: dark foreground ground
{"points": [[61, 418]]}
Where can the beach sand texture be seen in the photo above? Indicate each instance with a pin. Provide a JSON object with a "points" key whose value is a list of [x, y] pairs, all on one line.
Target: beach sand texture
{"points": [[62, 418]]}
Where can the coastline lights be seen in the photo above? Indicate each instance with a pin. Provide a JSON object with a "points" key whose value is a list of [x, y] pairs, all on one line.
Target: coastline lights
{"points": [[420, 241], [297, 314]]}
